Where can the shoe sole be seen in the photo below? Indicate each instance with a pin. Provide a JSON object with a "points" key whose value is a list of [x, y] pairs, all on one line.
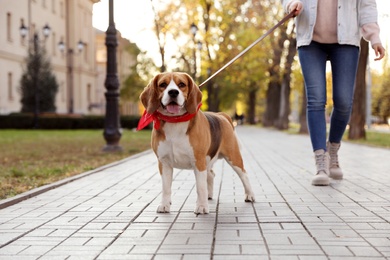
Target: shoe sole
{"points": [[320, 180]]}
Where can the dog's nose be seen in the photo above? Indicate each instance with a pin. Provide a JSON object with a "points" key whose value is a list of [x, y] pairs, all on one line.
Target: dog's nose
{"points": [[173, 93]]}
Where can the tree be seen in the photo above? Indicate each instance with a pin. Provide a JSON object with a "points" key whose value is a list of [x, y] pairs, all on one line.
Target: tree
{"points": [[271, 113], [225, 28], [381, 107], [303, 128], [140, 73], [381, 94], [38, 85], [358, 117], [284, 109]]}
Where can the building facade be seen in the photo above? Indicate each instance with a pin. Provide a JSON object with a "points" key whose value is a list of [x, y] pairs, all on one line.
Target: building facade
{"points": [[70, 23], [77, 54]]}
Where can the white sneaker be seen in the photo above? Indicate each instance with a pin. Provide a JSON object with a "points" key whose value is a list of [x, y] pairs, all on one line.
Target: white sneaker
{"points": [[322, 163]]}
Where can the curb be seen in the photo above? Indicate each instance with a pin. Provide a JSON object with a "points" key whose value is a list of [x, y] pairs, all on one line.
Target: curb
{"points": [[35, 192]]}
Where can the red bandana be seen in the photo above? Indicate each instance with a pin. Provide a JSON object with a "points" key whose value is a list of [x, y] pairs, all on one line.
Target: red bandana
{"points": [[156, 117]]}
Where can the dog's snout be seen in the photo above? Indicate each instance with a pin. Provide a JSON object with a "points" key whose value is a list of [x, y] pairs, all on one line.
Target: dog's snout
{"points": [[173, 93]]}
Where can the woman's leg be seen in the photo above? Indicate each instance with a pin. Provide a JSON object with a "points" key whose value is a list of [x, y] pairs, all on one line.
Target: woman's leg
{"points": [[313, 63], [344, 60]]}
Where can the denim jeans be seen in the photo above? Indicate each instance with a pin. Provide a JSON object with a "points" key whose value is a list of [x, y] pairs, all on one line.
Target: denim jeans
{"points": [[343, 60]]}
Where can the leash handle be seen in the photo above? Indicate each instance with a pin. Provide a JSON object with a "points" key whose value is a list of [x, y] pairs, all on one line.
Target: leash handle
{"points": [[249, 47]]}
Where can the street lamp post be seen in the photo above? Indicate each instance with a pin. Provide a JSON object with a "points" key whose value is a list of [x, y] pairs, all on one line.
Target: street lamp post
{"points": [[70, 65], [35, 40], [112, 132]]}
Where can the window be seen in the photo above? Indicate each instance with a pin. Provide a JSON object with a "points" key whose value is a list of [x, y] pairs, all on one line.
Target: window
{"points": [[53, 6], [9, 27], [10, 89]]}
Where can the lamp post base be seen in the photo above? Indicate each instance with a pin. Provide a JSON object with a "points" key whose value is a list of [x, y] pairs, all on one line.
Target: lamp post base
{"points": [[112, 148]]}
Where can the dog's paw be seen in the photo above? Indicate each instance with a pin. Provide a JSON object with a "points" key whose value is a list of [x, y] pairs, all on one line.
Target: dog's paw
{"points": [[164, 208], [249, 198], [200, 209]]}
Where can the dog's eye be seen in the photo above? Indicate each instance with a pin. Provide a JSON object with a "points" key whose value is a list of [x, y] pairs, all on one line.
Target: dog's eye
{"points": [[163, 85], [182, 85]]}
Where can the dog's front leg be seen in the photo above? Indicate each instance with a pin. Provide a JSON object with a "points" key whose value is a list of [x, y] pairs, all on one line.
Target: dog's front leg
{"points": [[202, 206], [166, 177]]}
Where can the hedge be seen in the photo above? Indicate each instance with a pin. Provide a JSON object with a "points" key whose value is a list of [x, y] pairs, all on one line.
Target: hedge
{"points": [[54, 121]]}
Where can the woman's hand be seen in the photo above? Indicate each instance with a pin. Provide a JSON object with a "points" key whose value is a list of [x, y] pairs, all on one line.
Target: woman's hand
{"points": [[379, 51], [296, 7]]}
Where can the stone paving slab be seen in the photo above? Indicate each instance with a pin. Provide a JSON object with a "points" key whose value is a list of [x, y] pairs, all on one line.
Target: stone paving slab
{"points": [[111, 213]]}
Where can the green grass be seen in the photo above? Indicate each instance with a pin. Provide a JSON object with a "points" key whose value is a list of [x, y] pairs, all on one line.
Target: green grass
{"points": [[373, 138], [32, 158]]}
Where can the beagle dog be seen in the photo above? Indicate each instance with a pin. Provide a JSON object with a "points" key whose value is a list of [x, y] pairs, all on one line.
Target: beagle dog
{"points": [[184, 137]]}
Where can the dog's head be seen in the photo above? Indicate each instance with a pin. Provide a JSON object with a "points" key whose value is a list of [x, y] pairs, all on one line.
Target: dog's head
{"points": [[172, 93]]}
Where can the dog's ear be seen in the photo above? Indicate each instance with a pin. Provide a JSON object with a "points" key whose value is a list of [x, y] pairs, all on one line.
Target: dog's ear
{"points": [[194, 96], [150, 97]]}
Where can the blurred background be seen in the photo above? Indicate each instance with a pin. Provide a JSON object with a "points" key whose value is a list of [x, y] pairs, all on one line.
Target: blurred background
{"points": [[198, 37]]}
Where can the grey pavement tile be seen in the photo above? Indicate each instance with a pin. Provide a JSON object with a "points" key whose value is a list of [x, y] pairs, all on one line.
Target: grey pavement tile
{"points": [[184, 249], [36, 241], [241, 257], [341, 241], [126, 257], [365, 251], [36, 250], [379, 241], [355, 258], [188, 239], [337, 251], [283, 249], [11, 250], [111, 214], [144, 249]]}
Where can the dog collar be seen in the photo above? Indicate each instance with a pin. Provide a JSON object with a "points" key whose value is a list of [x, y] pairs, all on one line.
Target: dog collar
{"points": [[157, 117]]}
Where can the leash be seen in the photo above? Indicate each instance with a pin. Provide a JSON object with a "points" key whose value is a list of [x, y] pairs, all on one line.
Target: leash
{"points": [[291, 14]]}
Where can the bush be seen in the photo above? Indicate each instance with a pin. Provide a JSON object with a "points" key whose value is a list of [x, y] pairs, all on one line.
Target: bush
{"points": [[54, 121]]}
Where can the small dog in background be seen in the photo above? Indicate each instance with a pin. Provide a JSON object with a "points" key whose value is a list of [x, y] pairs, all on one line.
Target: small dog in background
{"points": [[184, 137]]}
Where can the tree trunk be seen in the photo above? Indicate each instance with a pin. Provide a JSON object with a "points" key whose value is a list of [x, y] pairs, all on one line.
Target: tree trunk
{"points": [[212, 96], [271, 113], [251, 116], [303, 129], [358, 117], [285, 109], [272, 104]]}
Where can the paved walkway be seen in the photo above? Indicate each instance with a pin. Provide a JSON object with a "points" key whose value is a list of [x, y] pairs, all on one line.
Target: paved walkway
{"points": [[111, 213]]}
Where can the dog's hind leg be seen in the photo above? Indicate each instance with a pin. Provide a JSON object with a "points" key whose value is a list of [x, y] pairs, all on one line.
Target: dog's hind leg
{"points": [[249, 196], [238, 166], [210, 183]]}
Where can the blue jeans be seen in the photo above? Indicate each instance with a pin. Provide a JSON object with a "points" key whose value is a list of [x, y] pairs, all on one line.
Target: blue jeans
{"points": [[343, 60]]}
